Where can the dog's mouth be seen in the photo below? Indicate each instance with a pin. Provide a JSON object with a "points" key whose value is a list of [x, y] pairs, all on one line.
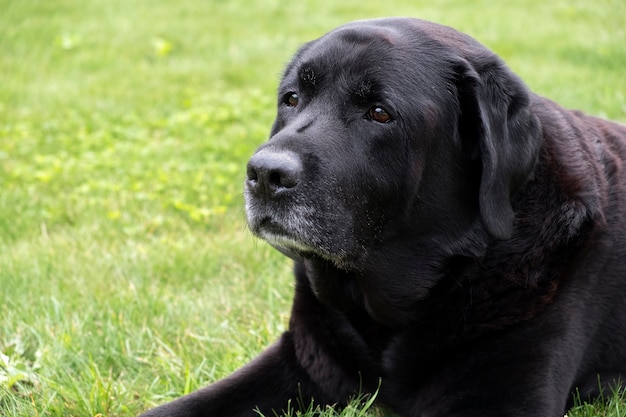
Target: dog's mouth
{"points": [[300, 232], [284, 240], [295, 245]]}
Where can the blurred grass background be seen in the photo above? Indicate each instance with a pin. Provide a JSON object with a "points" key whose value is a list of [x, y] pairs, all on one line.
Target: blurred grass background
{"points": [[127, 274]]}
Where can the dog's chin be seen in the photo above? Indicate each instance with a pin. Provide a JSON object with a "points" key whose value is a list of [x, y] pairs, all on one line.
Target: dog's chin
{"points": [[284, 240], [286, 245], [297, 249]]}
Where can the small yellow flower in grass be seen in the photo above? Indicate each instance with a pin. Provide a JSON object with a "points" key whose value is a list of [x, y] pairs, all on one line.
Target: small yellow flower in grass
{"points": [[114, 214], [162, 47]]}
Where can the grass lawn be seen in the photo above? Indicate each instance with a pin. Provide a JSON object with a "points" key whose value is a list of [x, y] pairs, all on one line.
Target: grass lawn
{"points": [[127, 275]]}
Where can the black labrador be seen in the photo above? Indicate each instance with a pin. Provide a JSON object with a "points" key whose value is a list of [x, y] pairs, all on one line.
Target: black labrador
{"points": [[457, 239]]}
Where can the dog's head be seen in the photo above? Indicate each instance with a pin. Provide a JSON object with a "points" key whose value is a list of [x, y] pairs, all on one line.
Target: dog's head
{"points": [[390, 129]]}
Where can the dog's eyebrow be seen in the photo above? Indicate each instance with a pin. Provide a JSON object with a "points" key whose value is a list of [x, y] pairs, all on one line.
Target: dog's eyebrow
{"points": [[308, 77], [365, 90]]}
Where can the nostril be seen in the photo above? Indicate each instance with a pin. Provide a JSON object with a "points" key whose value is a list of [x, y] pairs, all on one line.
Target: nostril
{"points": [[276, 179], [251, 173]]}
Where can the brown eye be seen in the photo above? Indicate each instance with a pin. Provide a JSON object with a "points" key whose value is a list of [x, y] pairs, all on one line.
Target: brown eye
{"points": [[378, 114], [291, 99]]}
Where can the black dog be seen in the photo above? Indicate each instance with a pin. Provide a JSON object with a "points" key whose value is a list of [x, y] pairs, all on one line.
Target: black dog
{"points": [[456, 236]]}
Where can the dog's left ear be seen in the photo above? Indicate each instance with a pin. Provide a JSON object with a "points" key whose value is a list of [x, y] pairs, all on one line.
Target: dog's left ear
{"points": [[497, 126]]}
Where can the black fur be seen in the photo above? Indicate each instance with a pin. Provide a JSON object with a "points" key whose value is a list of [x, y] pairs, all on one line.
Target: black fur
{"points": [[454, 235]]}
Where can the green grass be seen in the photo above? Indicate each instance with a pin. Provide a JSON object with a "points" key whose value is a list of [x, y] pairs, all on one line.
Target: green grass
{"points": [[127, 274]]}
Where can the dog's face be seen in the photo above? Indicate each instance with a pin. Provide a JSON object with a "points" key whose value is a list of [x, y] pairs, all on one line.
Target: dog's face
{"points": [[381, 136]]}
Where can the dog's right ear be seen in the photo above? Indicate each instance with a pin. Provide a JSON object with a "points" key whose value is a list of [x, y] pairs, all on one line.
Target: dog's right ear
{"points": [[497, 126]]}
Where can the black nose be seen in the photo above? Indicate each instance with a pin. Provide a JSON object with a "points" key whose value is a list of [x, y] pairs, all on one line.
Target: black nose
{"points": [[272, 172]]}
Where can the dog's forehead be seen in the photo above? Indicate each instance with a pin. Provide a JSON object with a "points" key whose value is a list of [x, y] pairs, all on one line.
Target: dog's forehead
{"points": [[387, 42], [350, 52], [351, 43], [388, 46]]}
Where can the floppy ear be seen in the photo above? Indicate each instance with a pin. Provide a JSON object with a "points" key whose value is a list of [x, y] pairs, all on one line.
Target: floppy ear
{"points": [[498, 126]]}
